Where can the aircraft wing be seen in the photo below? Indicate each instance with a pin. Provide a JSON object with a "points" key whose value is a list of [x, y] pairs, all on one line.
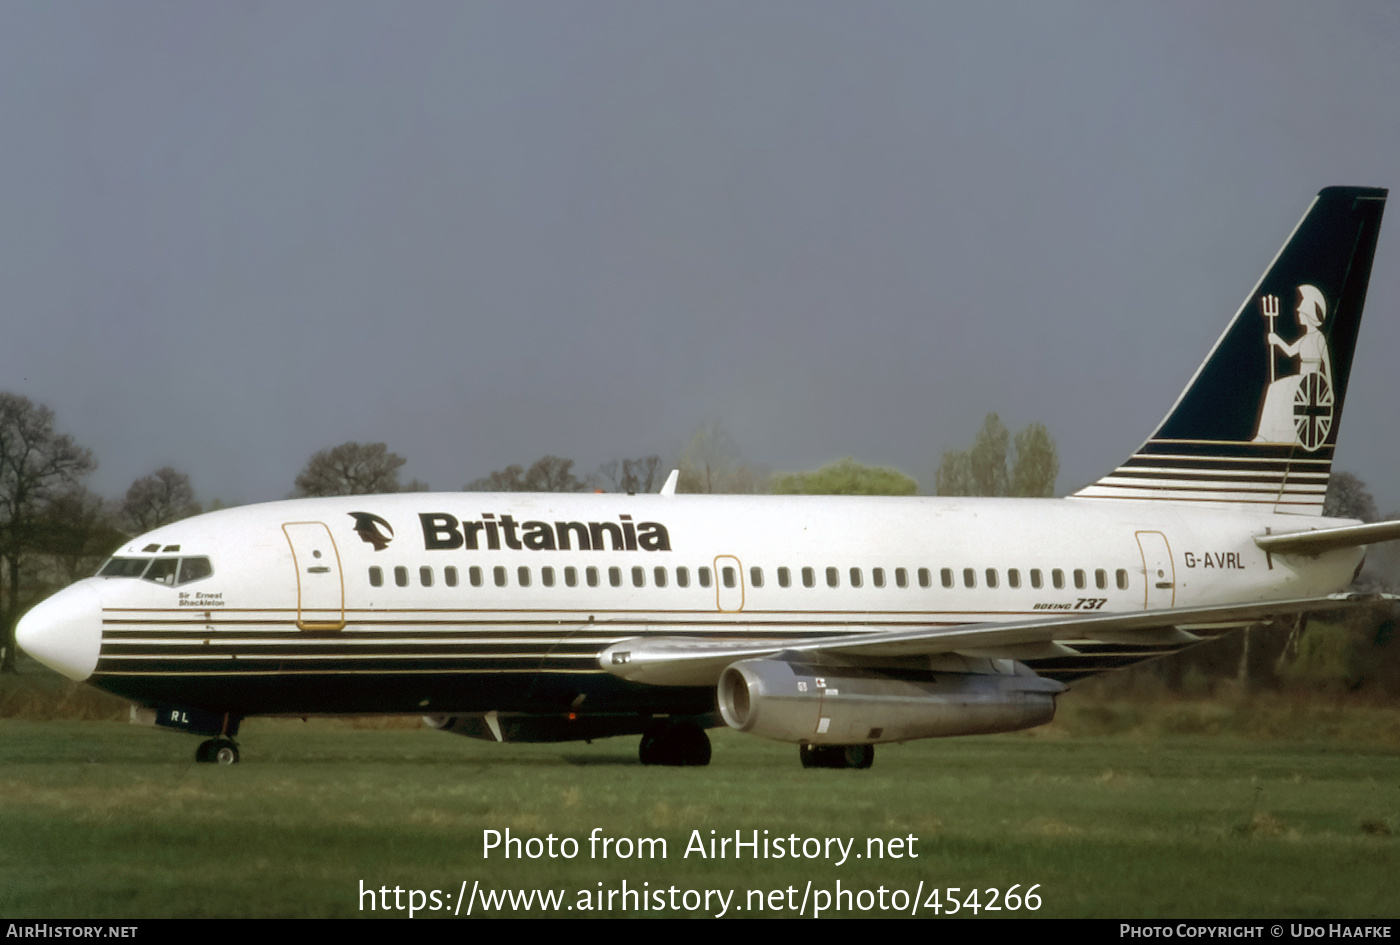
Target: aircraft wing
{"points": [[699, 661]]}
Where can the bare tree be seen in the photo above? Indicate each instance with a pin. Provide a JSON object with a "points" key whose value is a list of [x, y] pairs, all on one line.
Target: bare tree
{"points": [[546, 474], [713, 462], [630, 475], [77, 531], [163, 497], [510, 479], [641, 474], [351, 469], [1348, 497], [552, 474], [36, 466]]}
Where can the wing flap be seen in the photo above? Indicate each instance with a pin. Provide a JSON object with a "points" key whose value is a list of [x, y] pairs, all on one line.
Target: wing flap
{"points": [[1047, 650]]}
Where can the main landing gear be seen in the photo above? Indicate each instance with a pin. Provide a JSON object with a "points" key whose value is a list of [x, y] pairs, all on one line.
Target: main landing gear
{"points": [[674, 743], [837, 756], [217, 751]]}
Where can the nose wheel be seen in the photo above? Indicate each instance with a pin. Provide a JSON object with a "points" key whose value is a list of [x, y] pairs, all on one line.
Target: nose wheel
{"points": [[217, 751]]}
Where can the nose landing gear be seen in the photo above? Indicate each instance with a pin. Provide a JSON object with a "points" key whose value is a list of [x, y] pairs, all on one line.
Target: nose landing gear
{"points": [[217, 751]]}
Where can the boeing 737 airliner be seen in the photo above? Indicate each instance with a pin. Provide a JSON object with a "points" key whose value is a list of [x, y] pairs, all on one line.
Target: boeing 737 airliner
{"points": [[836, 623]]}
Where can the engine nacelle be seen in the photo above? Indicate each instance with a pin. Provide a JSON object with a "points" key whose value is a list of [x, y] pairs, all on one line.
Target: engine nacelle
{"points": [[850, 705]]}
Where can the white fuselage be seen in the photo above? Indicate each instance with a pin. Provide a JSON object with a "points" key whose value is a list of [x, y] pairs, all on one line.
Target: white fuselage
{"points": [[302, 614]]}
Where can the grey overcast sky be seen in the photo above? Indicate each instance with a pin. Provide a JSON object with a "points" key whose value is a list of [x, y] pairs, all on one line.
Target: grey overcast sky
{"points": [[232, 234]]}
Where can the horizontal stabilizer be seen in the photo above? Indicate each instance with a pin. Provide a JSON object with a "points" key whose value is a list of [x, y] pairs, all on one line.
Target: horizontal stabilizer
{"points": [[1329, 539]]}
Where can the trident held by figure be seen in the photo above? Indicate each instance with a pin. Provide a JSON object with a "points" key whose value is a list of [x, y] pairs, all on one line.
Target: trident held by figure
{"points": [[1268, 304]]}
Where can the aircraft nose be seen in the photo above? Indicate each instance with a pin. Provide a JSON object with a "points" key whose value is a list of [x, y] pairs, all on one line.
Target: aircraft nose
{"points": [[65, 631]]}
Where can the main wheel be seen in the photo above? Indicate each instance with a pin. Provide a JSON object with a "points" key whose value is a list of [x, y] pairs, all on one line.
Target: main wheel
{"points": [[859, 756], [692, 745], [836, 756], [674, 743]]}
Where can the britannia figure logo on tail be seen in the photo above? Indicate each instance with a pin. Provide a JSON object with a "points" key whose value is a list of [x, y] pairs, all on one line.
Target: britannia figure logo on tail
{"points": [[1298, 407]]}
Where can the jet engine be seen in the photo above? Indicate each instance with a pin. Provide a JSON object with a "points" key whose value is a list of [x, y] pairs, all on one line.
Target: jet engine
{"points": [[823, 704]]}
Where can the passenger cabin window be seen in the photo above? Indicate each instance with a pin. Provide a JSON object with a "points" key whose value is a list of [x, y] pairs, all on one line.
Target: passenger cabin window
{"points": [[1058, 578], [1036, 580], [401, 576], [1101, 579], [877, 577], [449, 576], [571, 576], [704, 574], [591, 575], [784, 577], [756, 577], [547, 576], [969, 577], [425, 576], [522, 575], [376, 577], [639, 576], [1122, 580], [659, 573], [729, 576], [475, 575], [833, 577], [901, 577], [682, 577], [925, 577], [946, 576], [1013, 578], [809, 577], [855, 577], [1079, 579], [615, 576], [498, 573], [991, 577]]}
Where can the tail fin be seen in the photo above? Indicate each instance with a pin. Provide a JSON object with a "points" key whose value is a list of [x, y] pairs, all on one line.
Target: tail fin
{"points": [[1257, 425]]}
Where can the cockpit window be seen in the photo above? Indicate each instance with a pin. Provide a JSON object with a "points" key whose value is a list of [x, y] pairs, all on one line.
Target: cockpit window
{"points": [[125, 567], [192, 569], [167, 571], [162, 571]]}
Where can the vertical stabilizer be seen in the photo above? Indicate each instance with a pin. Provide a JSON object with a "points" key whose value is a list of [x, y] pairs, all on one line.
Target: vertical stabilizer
{"points": [[1257, 425]]}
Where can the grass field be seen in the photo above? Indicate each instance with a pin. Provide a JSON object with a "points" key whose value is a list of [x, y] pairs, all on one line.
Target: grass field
{"points": [[1156, 818]]}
